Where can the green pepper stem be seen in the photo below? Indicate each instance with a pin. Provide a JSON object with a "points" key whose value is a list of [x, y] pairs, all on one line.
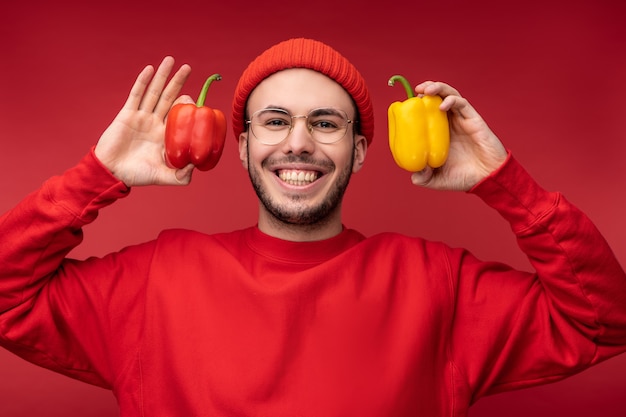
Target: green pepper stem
{"points": [[205, 88], [409, 91]]}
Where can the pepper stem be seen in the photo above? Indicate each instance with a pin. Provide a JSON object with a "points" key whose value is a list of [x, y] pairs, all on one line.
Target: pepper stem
{"points": [[205, 88], [409, 91]]}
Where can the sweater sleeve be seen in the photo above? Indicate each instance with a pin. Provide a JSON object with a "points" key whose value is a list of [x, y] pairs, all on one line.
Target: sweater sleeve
{"points": [[52, 309], [526, 329]]}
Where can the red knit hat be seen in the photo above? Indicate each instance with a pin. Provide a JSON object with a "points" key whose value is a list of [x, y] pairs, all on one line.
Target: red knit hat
{"points": [[305, 53]]}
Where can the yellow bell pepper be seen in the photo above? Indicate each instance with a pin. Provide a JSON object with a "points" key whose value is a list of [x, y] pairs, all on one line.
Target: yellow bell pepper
{"points": [[419, 133]]}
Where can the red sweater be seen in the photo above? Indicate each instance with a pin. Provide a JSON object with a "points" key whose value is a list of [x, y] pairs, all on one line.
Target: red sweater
{"points": [[243, 324]]}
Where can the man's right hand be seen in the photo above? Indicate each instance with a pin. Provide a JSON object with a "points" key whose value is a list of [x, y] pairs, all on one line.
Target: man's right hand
{"points": [[132, 147]]}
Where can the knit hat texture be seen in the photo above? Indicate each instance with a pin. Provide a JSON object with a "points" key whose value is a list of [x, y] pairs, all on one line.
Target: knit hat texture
{"points": [[304, 53]]}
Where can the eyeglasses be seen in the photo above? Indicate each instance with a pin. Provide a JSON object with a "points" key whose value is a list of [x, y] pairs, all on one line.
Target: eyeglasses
{"points": [[326, 125]]}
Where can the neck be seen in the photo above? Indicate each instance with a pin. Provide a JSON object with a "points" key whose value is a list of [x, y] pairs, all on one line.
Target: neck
{"points": [[325, 228]]}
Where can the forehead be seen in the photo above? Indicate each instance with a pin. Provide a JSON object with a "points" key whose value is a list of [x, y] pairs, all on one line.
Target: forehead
{"points": [[299, 90]]}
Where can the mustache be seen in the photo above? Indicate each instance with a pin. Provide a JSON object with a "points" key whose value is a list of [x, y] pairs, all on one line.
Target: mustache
{"points": [[294, 159]]}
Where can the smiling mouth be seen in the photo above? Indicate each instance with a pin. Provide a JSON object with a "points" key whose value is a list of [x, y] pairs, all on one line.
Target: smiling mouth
{"points": [[298, 177]]}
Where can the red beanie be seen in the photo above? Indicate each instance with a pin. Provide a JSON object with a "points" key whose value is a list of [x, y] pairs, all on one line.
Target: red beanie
{"points": [[305, 53]]}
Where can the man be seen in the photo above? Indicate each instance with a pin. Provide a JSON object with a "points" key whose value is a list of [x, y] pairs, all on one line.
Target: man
{"points": [[298, 315]]}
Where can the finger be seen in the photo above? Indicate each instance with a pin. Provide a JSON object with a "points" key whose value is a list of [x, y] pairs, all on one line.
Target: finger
{"points": [[171, 91], [155, 88], [460, 106], [436, 88], [420, 88], [452, 99], [139, 87]]}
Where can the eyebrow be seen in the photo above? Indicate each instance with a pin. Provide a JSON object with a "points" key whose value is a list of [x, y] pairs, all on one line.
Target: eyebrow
{"points": [[272, 107], [324, 110], [317, 111]]}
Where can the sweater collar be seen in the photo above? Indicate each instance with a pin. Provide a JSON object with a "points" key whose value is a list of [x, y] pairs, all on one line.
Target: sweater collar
{"points": [[301, 252]]}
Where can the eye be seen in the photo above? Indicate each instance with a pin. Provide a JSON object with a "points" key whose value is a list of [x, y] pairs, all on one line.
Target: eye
{"points": [[272, 119], [327, 119], [324, 124], [276, 122]]}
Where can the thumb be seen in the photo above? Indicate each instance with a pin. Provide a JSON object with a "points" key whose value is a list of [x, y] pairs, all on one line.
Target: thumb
{"points": [[422, 178], [184, 99], [183, 176]]}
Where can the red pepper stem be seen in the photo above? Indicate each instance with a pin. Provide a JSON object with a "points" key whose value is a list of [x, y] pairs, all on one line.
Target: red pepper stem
{"points": [[205, 88], [409, 91]]}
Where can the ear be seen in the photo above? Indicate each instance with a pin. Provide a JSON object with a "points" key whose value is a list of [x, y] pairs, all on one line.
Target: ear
{"points": [[243, 149], [360, 150]]}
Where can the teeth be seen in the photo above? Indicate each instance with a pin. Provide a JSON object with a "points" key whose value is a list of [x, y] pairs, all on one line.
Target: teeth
{"points": [[298, 177]]}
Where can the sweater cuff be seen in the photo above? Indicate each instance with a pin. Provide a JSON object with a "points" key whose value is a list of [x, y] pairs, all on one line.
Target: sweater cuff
{"points": [[516, 195], [86, 188]]}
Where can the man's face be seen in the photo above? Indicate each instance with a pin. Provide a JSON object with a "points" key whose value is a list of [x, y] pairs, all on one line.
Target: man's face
{"points": [[300, 181]]}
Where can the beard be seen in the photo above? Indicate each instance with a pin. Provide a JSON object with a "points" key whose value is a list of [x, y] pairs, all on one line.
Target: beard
{"points": [[296, 211]]}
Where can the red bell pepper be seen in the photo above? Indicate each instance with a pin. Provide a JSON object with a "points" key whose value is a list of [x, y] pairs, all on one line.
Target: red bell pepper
{"points": [[195, 133]]}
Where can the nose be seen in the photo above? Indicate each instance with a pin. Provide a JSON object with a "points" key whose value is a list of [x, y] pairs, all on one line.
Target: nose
{"points": [[299, 139]]}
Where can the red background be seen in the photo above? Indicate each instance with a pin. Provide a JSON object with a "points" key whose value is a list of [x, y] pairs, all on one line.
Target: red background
{"points": [[550, 78]]}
